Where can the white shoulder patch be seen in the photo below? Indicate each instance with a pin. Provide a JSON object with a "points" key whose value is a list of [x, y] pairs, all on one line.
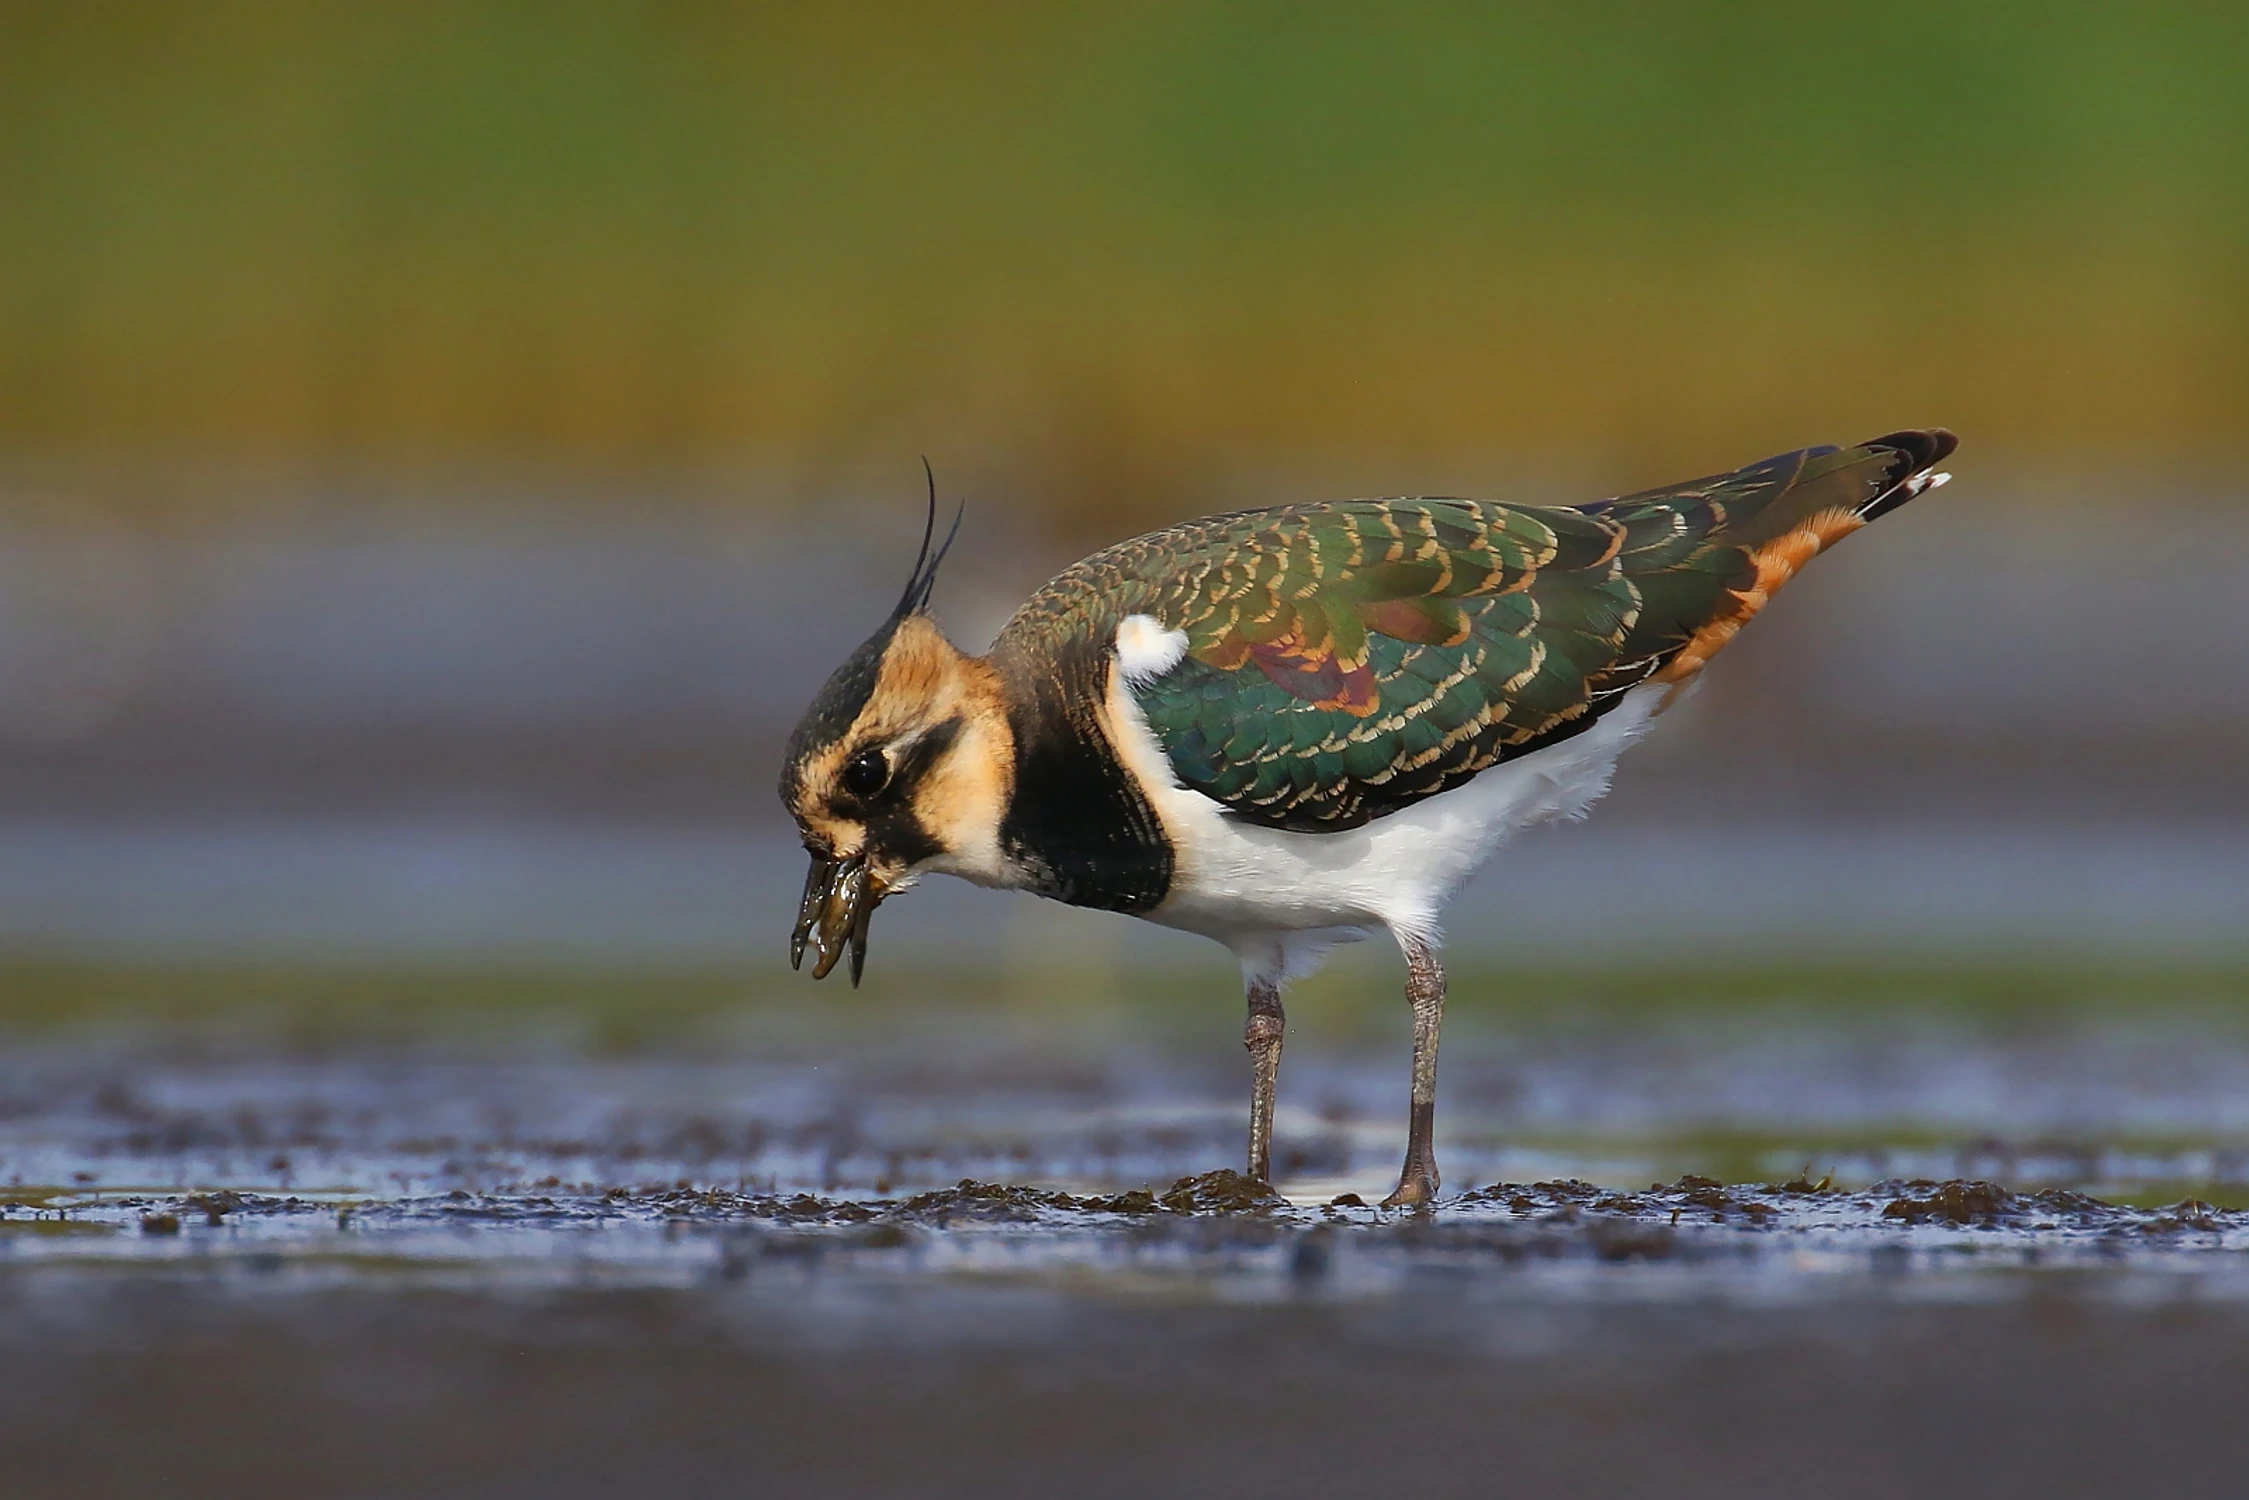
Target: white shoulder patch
{"points": [[1145, 650]]}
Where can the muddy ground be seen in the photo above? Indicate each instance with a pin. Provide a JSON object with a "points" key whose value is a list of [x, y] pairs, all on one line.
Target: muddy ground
{"points": [[1848, 1250]]}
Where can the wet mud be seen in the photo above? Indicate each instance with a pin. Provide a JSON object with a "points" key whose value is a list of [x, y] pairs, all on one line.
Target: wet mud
{"points": [[240, 1269], [923, 1163], [1216, 1234], [1552, 1338]]}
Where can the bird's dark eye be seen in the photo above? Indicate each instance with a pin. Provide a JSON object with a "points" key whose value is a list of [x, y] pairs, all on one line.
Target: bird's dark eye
{"points": [[865, 773]]}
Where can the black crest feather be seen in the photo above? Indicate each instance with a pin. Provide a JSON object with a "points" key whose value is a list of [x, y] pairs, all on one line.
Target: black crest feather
{"points": [[924, 577], [848, 688]]}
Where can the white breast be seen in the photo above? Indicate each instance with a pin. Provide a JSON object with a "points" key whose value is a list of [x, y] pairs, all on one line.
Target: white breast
{"points": [[1279, 898]]}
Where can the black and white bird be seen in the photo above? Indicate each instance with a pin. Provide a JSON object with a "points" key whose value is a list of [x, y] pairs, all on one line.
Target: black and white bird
{"points": [[1291, 727]]}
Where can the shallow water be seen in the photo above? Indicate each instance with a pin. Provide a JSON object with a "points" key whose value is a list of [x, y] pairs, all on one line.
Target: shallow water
{"points": [[1796, 1151], [1839, 1244]]}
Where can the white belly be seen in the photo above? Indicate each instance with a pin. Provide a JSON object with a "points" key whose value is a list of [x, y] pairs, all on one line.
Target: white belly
{"points": [[1279, 899]]}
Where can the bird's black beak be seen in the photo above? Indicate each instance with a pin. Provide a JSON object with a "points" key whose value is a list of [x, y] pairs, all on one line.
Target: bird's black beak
{"points": [[840, 895]]}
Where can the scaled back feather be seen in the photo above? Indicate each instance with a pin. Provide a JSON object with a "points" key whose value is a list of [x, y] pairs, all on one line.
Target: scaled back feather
{"points": [[1345, 660]]}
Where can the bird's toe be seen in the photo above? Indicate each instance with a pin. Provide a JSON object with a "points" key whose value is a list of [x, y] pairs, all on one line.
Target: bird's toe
{"points": [[1417, 1188]]}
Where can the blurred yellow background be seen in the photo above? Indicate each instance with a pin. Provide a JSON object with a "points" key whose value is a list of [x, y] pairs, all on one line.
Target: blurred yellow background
{"points": [[444, 446], [1109, 260]]}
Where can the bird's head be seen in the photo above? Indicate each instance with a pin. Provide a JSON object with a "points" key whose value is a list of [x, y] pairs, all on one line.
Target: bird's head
{"points": [[900, 766]]}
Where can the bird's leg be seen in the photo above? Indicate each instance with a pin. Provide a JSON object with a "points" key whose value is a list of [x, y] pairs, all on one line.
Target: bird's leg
{"points": [[1425, 992], [1261, 1034]]}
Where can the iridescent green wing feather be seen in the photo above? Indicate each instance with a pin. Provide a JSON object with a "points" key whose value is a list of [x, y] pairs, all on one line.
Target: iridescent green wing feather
{"points": [[1344, 660], [1348, 659]]}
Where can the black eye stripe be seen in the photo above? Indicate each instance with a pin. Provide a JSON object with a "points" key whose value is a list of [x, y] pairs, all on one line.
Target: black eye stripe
{"points": [[924, 752], [876, 773]]}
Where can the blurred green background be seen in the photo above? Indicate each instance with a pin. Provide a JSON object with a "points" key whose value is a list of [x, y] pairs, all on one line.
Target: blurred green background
{"points": [[442, 446], [1109, 259]]}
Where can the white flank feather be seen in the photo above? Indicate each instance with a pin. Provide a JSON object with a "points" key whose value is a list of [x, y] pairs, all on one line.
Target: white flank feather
{"points": [[1280, 899]]}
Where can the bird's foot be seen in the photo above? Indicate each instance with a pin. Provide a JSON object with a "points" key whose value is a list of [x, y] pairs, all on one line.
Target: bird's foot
{"points": [[1417, 1179], [1417, 1186]]}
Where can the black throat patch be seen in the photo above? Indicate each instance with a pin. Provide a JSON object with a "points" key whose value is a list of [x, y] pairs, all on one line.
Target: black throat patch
{"points": [[1077, 819]]}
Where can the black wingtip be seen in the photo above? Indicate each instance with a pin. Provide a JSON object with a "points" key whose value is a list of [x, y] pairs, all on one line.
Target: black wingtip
{"points": [[1918, 450], [1922, 446]]}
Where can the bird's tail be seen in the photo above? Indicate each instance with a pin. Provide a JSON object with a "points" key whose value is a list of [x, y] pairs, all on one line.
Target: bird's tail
{"points": [[1832, 492], [1784, 512], [1911, 468]]}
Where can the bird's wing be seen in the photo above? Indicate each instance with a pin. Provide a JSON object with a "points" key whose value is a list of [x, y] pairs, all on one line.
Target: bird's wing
{"points": [[1345, 660]]}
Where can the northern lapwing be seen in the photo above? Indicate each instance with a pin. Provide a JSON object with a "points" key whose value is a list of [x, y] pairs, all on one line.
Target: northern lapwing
{"points": [[1287, 728]]}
